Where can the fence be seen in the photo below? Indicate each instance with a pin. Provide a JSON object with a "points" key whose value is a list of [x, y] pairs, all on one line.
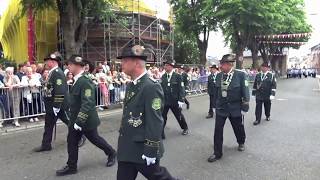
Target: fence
{"points": [[24, 102]]}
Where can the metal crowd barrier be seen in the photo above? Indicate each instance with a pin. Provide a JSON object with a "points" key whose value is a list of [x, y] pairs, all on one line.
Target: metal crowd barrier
{"points": [[198, 86], [16, 103], [20, 103]]}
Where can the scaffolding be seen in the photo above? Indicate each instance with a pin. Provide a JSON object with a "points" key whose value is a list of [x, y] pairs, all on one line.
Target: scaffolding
{"points": [[107, 37]]}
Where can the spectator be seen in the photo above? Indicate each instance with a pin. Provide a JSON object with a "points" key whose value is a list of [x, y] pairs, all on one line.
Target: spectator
{"points": [[106, 67], [117, 85], [21, 71], [34, 72], [13, 83], [2, 72], [2, 104], [40, 68], [70, 79], [194, 78], [111, 87], [31, 94], [103, 86]]}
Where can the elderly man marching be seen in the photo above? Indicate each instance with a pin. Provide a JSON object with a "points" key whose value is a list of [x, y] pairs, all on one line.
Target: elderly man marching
{"points": [[140, 145], [174, 95], [232, 102], [212, 89], [84, 119], [264, 89], [55, 100]]}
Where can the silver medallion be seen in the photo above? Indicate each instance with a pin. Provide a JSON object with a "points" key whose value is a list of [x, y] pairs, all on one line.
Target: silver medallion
{"points": [[224, 93]]}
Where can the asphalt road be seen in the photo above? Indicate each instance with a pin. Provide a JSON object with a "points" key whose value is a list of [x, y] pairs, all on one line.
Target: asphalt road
{"points": [[286, 148]]}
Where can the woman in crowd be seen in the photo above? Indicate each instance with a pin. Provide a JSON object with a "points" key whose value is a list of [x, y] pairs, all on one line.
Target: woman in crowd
{"points": [[117, 85], [111, 87], [12, 82], [194, 78], [103, 87], [31, 94], [70, 80]]}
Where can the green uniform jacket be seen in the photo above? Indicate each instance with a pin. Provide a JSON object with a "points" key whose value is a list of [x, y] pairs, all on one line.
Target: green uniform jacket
{"points": [[174, 90], [55, 91], [264, 87], [142, 122], [185, 79], [238, 95], [83, 104], [212, 88]]}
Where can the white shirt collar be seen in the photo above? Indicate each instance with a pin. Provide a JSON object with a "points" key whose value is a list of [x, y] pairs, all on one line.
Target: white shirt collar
{"points": [[170, 74], [76, 77], [135, 82], [54, 68]]}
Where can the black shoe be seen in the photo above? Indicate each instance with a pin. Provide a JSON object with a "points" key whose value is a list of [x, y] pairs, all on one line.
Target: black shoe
{"points": [[111, 160], [82, 141], [185, 132], [268, 119], [209, 116], [66, 171], [256, 122], [188, 106], [241, 147], [213, 158], [41, 149]]}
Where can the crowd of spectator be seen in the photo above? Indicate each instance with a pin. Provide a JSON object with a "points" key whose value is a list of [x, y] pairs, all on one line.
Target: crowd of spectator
{"points": [[20, 89]]}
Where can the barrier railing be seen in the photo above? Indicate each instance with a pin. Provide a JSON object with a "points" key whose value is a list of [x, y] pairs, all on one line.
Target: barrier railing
{"points": [[27, 103]]}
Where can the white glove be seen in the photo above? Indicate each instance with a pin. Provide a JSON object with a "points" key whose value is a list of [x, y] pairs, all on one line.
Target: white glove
{"points": [[76, 127], [149, 160], [243, 113], [56, 111], [271, 97], [180, 104]]}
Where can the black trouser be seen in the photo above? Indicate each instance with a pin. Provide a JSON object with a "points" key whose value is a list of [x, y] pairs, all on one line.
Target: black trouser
{"points": [[177, 113], [93, 136], [129, 171], [49, 122], [187, 102], [211, 106], [267, 108], [238, 129]]}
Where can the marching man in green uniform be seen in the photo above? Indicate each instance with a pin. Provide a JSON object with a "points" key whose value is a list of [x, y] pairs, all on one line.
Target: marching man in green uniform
{"points": [[55, 93], [185, 80], [212, 89], [232, 102], [139, 145], [174, 96], [84, 118], [264, 89]]}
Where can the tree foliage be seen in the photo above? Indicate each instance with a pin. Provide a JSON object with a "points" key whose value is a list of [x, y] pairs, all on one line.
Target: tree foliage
{"points": [[73, 17], [242, 20], [192, 17], [185, 48]]}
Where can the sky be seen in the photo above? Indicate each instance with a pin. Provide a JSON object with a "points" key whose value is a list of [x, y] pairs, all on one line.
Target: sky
{"points": [[217, 47]]}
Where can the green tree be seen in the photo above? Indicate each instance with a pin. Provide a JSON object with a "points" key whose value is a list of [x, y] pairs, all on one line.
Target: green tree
{"points": [[73, 17], [242, 20], [185, 48], [194, 20]]}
